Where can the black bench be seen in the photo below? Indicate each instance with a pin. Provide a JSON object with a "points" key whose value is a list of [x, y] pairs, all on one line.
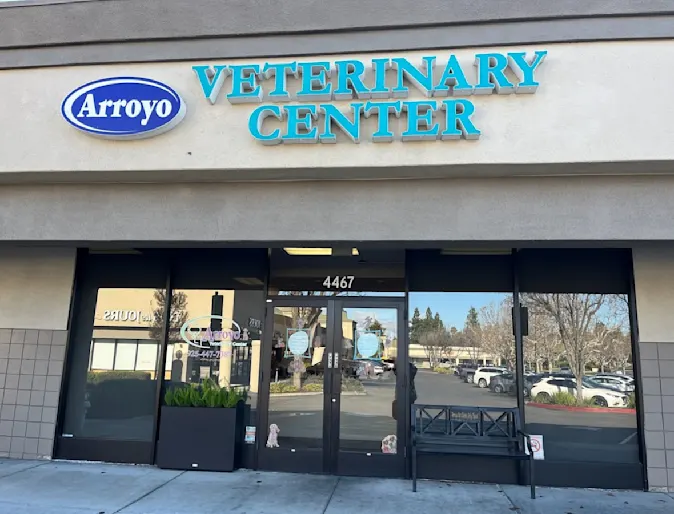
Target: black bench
{"points": [[473, 431]]}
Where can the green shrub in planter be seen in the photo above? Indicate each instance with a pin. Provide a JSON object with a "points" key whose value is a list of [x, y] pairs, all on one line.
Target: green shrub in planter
{"points": [[207, 394], [201, 427]]}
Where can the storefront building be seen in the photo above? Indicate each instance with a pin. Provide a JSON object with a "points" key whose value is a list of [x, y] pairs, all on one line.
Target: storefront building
{"points": [[298, 200]]}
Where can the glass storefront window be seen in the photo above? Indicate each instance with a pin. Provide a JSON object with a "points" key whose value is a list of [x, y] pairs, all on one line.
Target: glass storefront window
{"points": [[113, 380], [215, 334], [578, 384], [582, 387], [297, 375], [115, 353], [463, 347], [369, 349]]}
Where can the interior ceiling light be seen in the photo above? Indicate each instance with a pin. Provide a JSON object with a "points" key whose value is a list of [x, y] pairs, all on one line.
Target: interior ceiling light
{"points": [[308, 251], [114, 251], [315, 251]]}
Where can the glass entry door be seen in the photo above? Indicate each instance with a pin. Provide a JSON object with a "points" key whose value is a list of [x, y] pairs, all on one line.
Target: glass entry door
{"points": [[333, 400]]}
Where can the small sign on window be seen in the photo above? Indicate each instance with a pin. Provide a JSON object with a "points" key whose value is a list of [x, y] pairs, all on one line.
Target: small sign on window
{"points": [[250, 435], [537, 447]]}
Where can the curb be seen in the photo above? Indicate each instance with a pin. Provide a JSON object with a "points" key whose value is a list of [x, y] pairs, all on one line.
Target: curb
{"points": [[315, 393], [612, 410]]}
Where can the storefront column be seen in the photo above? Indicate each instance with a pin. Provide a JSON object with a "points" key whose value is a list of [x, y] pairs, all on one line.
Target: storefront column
{"points": [[35, 292], [654, 286]]}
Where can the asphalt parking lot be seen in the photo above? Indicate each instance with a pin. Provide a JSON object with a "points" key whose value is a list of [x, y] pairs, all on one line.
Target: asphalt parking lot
{"points": [[567, 435], [583, 436]]}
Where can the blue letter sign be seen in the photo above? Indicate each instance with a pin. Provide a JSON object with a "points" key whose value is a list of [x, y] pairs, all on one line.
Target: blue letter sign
{"points": [[378, 83]]}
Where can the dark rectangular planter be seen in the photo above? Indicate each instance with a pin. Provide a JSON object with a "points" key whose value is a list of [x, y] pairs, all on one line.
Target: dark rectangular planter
{"points": [[199, 438]]}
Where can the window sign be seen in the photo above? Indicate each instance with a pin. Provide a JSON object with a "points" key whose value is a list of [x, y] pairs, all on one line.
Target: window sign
{"points": [[298, 341], [367, 345], [197, 332], [250, 435]]}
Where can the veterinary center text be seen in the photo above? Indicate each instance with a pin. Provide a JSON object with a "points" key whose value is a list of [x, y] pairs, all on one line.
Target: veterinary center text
{"points": [[296, 97]]}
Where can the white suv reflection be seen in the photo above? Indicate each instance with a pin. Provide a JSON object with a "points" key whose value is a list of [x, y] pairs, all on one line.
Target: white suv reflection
{"points": [[483, 375], [600, 396]]}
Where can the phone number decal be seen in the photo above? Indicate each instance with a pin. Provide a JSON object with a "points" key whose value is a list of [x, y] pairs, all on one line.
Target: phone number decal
{"points": [[208, 354]]}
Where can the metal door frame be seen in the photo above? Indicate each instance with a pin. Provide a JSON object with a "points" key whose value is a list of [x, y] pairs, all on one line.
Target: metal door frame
{"points": [[283, 459], [373, 464], [333, 460]]}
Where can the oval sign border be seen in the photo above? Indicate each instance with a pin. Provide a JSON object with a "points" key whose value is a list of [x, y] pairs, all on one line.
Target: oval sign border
{"points": [[69, 100], [183, 329]]}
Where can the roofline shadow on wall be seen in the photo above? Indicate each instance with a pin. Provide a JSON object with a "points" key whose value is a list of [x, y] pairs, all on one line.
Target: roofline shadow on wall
{"points": [[598, 170], [336, 42]]}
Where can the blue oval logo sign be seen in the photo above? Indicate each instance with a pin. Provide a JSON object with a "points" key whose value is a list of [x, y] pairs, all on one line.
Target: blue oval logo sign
{"points": [[124, 108]]}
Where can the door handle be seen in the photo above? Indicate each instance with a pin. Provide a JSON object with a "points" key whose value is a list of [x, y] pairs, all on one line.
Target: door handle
{"points": [[336, 360], [329, 361]]}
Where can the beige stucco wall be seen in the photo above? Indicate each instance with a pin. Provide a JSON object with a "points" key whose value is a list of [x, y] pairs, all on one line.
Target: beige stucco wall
{"points": [[35, 287], [583, 111], [609, 209], [654, 284], [35, 291]]}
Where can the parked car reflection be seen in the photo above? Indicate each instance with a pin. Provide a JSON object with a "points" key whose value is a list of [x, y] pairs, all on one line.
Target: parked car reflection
{"points": [[600, 396], [506, 383], [622, 383]]}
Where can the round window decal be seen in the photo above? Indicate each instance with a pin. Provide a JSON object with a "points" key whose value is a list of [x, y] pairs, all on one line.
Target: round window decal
{"points": [[368, 345], [298, 342]]}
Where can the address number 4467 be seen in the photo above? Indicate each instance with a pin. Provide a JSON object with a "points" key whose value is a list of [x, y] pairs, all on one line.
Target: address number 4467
{"points": [[337, 282]]}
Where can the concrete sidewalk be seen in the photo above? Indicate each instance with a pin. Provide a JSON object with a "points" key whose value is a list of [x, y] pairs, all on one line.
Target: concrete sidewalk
{"points": [[32, 487]]}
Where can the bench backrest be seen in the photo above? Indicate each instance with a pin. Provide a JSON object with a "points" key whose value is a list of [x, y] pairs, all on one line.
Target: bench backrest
{"points": [[479, 425]]}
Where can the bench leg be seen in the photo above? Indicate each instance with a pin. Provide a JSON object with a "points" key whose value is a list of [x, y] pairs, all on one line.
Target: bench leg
{"points": [[414, 468], [532, 479]]}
